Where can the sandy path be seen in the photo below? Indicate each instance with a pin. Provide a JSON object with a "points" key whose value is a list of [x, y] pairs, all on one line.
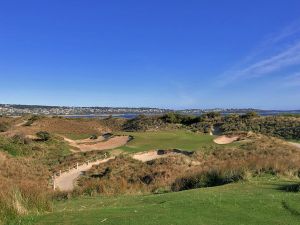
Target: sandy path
{"points": [[21, 124], [111, 143], [222, 140], [65, 182]]}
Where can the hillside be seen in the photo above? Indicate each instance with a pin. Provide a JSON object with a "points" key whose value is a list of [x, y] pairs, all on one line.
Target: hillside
{"points": [[167, 155], [259, 201]]}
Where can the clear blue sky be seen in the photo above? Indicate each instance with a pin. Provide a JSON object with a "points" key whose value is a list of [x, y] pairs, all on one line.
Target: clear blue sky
{"points": [[158, 53]]}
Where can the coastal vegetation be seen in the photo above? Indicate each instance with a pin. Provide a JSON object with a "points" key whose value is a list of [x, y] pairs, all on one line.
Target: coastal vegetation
{"points": [[165, 158]]}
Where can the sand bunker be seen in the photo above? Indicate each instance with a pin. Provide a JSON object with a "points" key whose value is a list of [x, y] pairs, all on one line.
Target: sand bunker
{"points": [[98, 144], [148, 156], [222, 140], [295, 144], [157, 154]]}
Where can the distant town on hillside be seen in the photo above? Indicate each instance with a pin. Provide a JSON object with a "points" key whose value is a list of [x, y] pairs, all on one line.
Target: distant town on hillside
{"points": [[18, 110]]}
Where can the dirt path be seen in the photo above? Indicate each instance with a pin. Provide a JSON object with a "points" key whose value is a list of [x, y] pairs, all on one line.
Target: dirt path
{"points": [[98, 144], [21, 124], [65, 182]]}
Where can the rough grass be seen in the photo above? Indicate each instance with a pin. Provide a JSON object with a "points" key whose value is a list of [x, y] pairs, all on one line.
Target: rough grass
{"points": [[24, 178], [59, 125], [23, 187], [150, 140], [125, 175], [47, 151], [181, 172], [256, 202]]}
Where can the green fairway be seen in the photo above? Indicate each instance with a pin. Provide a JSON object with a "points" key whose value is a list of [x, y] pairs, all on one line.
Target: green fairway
{"points": [[255, 202], [144, 141]]}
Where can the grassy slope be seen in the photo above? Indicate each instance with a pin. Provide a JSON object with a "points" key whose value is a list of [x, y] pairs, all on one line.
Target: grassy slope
{"points": [[256, 202], [144, 141]]}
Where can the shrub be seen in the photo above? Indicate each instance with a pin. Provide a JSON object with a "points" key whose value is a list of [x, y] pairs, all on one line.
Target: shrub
{"points": [[291, 188], [4, 127], [93, 137], [20, 139], [43, 135], [210, 178], [31, 120]]}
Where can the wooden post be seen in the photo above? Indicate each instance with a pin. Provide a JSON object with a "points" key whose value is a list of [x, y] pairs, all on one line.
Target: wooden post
{"points": [[54, 185], [77, 166], [59, 172]]}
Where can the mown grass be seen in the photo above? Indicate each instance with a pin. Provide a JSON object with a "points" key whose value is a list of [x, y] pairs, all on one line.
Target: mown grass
{"points": [[150, 140], [258, 201]]}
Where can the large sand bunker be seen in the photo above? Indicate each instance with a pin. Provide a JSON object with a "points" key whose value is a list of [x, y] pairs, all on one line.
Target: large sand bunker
{"points": [[147, 156], [222, 140], [98, 144], [157, 154]]}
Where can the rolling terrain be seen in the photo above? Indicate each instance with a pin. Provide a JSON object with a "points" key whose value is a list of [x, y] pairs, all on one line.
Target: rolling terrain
{"points": [[260, 201], [170, 169]]}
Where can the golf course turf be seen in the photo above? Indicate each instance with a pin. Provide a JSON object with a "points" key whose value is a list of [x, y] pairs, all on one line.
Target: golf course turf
{"points": [[259, 201], [186, 140]]}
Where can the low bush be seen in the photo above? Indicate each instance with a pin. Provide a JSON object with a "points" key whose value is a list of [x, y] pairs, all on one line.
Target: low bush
{"points": [[43, 135], [93, 137], [32, 119], [291, 188], [20, 139], [210, 178], [4, 127]]}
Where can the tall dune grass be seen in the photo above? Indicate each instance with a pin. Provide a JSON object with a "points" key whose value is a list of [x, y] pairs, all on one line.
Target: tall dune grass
{"points": [[23, 187]]}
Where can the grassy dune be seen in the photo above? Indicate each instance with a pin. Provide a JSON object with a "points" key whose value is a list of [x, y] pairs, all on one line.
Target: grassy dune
{"points": [[144, 141], [259, 201], [26, 166]]}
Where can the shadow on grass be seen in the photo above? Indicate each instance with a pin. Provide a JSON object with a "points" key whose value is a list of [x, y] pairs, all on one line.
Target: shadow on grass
{"points": [[286, 206], [289, 187]]}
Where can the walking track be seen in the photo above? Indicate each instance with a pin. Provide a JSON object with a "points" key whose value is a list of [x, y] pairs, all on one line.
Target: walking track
{"points": [[66, 181]]}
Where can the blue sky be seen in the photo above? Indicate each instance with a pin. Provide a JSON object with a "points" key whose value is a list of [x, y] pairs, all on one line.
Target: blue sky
{"points": [[158, 53]]}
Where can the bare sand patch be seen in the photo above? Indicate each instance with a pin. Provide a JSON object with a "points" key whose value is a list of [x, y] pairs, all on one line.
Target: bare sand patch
{"points": [[157, 154], [87, 140], [32, 137], [222, 140], [295, 144], [147, 156], [111, 143]]}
